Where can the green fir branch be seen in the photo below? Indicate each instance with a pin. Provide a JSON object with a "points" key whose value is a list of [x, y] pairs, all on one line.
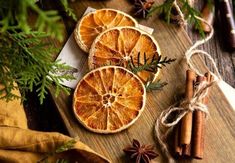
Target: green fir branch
{"points": [[68, 10], [190, 13], [158, 85], [62, 161], [150, 64], [25, 54], [15, 16], [65, 147], [26, 60], [164, 9]]}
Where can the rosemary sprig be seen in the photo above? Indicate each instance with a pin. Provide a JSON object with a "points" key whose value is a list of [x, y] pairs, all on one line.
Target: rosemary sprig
{"points": [[62, 161], [158, 85], [151, 65], [65, 147]]}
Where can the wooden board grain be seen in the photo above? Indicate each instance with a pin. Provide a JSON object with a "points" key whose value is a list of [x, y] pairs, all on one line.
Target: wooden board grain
{"points": [[173, 41]]}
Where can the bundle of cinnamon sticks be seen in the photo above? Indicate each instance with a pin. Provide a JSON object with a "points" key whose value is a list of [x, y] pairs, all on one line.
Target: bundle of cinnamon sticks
{"points": [[189, 134]]}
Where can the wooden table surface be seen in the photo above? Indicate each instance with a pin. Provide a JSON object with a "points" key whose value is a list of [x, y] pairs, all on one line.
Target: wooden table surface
{"points": [[45, 117], [224, 59]]}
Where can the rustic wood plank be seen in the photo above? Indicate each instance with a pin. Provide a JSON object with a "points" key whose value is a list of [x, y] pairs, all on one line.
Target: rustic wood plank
{"points": [[220, 133], [225, 60]]}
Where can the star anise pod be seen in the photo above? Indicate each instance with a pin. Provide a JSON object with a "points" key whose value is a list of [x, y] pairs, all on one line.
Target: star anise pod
{"points": [[142, 7], [140, 153]]}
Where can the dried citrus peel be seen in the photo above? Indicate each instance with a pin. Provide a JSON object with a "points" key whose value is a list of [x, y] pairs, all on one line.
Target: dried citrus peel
{"points": [[116, 46], [93, 23], [109, 99]]}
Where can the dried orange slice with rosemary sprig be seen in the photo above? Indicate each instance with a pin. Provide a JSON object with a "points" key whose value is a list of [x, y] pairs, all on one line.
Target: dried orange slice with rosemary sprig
{"points": [[122, 46], [109, 99], [92, 24]]}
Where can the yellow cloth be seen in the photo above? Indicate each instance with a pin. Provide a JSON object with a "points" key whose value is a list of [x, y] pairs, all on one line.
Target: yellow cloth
{"points": [[20, 144]]}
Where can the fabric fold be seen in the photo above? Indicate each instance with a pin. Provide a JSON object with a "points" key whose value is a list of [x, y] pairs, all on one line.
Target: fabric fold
{"points": [[20, 144]]}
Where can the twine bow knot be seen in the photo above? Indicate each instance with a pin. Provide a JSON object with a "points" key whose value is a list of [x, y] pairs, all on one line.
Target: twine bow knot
{"points": [[185, 106], [195, 103]]}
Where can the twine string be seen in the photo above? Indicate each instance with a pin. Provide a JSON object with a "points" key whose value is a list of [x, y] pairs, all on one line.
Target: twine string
{"points": [[181, 15], [195, 103], [193, 51], [184, 107]]}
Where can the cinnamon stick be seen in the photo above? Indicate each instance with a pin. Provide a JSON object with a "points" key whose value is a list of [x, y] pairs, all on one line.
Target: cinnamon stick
{"points": [[177, 146], [186, 122], [187, 150], [199, 125]]}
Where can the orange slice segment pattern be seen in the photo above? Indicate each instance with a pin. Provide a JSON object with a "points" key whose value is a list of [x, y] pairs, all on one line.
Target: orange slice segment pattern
{"points": [[92, 24], [109, 99], [118, 45]]}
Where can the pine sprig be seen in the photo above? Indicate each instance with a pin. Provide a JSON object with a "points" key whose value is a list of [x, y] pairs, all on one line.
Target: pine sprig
{"points": [[150, 64], [68, 10], [62, 161], [25, 56], [163, 62], [14, 15], [65, 147], [25, 61], [190, 13], [158, 85], [164, 9]]}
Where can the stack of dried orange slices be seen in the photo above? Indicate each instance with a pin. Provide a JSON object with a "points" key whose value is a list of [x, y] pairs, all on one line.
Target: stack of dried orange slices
{"points": [[111, 98], [94, 23]]}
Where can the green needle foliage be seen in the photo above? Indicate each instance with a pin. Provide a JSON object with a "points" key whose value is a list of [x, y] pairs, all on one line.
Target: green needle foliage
{"points": [[65, 147], [151, 65], [164, 9], [26, 60], [68, 10], [191, 14], [15, 15], [25, 52], [167, 8], [158, 85]]}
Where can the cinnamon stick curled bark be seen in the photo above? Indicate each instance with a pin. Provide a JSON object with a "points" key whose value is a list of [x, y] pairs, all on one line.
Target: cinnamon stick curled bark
{"points": [[199, 124], [187, 150], [177, 146], [186, 122]]}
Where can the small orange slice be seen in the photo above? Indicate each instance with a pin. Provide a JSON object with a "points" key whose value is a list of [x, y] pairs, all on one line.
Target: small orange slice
{"points": [[117, 45], [109, 99], [92, 24]]}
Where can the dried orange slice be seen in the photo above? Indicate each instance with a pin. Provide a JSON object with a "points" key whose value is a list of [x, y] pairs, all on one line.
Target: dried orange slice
{"points": [[92, 24], [109, 99], [116, 46]]}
